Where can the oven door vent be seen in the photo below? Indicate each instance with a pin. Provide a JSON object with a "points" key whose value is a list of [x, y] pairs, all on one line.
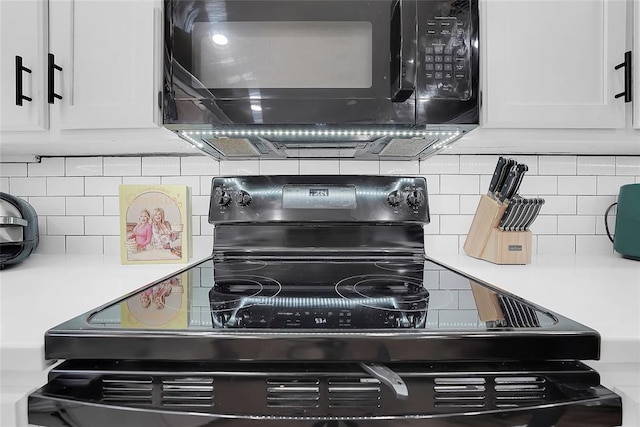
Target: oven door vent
{"points": [[354, 393], [459, 392], [293, 393], [187, 392], [520, 391], [136, 390]]}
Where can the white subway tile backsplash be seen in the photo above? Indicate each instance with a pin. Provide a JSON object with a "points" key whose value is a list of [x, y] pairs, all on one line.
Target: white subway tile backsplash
{"points": [[142, 180], [84, 166], [594, 205], [122, 166], [593, 245], [610, 185], [199, 165], [581, 185], [236, 167], [596, 165], [65, 186], [189, 181], [469, 204], [439, 165], [441, 244], [576, 224], [557, 245], [102, 226], [433, 184], [200, 205], [51, 245], [545, 224], [535, 185], [90, 205], [319, 167], [77, 198], [279, 167], [65, 225], [48, 166], [160, 166], [359, 167], [23, 187], [444, 204], [477, 165], [557, 165], [628, 165], [48, 205], [559, 205], [102, 186], [459, 184], [85, 245], [13, 169], [400, 167]]}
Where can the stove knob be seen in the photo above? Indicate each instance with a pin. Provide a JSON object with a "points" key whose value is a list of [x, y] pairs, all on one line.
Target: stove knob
{"points": [[244, 198], [222, 198], [394, 198], [415, 199]]}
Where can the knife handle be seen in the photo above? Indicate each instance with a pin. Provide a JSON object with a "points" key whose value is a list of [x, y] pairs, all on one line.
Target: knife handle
{"points": [[508, 184], [496, 174]]}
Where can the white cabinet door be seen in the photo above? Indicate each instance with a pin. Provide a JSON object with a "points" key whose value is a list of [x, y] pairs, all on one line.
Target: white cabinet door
{"points": [[109, 52], [550, 64], [23, 34]]}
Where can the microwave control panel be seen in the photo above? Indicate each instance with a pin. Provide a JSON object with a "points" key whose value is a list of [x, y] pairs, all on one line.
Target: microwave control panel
{"points": [[445, 45]]}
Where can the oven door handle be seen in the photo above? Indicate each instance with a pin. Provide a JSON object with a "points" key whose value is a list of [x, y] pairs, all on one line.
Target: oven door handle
{"points": [[403, 47], [387, 377]]}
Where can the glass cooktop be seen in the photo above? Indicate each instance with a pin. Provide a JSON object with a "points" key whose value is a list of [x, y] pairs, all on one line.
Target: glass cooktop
{"points": [[325, 308]]}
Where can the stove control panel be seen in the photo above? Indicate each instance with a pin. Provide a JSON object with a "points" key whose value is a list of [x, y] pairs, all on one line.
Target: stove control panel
{"points": [[324, 198]]}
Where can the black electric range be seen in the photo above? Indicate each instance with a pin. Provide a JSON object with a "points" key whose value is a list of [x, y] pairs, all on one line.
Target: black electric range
{"points": [[318, 307]]}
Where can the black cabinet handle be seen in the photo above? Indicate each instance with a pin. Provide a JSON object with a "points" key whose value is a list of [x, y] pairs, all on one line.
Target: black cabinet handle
{"points": [[52, 68], [628, 79], [19, 69]]}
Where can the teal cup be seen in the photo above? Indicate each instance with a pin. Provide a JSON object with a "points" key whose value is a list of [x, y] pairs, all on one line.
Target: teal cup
{"points": [[626, 240]]}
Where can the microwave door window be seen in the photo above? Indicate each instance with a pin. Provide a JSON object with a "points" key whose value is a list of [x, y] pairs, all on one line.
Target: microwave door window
{"points": [[293, 55]]}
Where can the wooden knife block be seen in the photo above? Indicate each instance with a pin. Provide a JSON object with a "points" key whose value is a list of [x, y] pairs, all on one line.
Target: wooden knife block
{"points": [[486, 241]]}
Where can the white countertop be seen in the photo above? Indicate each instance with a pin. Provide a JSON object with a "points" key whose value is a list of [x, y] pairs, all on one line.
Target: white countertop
{"points": [[602, 292]]}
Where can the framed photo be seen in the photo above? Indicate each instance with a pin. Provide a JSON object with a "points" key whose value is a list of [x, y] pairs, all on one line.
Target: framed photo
{"points": [[155, 224]]}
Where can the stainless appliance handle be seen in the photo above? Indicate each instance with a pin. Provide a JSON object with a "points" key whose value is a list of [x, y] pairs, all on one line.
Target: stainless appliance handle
{"points": [[403, 38], [388, 377], [12, 220]]}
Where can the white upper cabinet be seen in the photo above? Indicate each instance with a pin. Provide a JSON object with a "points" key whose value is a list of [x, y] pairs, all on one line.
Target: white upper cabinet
{"points": [[110, 59], [551, 64], [23, 54], [105, 72]]}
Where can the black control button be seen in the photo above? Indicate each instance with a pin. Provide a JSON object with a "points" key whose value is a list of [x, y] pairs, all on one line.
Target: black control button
{"points": [[461, 76], [244, 198], [394, 198], [429, 50], [431, 32], [438, 58], [448, 67], [428, 67], [448, 51], [448, 58], [438, 67], [447, 75], [438, 50], [428, 75], [438, 76], [428, 58], [431, 23]]}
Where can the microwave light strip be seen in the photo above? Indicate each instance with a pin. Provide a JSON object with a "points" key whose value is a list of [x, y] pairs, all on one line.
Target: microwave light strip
{"points": [[312, 133]]}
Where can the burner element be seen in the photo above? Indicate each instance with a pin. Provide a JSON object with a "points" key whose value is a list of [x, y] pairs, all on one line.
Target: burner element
{"points": [[231, 299]]}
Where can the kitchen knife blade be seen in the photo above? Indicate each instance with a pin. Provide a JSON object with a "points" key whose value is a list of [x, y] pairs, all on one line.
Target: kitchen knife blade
{"points": [[497, 175]]}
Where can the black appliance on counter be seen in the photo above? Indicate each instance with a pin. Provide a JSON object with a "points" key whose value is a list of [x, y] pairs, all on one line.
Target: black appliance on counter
{"points": [[387, 79], [19, 235], [318, 307]]}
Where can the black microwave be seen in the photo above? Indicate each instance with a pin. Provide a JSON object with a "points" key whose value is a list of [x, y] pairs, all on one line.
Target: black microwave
{"points": [[267, 77]]}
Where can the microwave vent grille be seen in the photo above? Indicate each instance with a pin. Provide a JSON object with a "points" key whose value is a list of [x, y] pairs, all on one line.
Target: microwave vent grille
{"points": [[234, 147], [406, 147]]}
